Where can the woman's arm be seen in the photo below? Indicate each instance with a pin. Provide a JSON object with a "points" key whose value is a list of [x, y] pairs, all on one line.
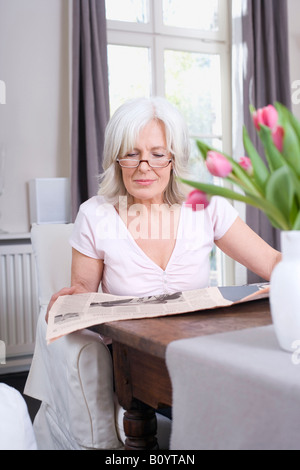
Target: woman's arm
{"points": [[86, 275], [243, 245]]}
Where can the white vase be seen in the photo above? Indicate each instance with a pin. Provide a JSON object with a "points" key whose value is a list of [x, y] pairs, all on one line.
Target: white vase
{"points": [[285, 292]]}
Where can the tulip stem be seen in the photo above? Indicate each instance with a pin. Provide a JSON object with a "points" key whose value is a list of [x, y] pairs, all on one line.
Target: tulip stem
{"points": [[262, 204], [246, 186]]}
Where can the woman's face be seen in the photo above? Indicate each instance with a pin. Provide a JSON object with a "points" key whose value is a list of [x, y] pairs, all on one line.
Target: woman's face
{"points": [[145, 184]]}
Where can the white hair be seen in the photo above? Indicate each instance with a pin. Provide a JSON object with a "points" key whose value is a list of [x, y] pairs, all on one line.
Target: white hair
{"points": [[121, 136]]}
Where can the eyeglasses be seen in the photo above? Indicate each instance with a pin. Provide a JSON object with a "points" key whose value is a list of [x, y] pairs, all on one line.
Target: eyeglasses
{"points": [[157, 162]]}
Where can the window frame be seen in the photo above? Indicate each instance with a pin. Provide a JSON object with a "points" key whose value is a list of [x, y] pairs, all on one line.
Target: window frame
{"points": [[216, 36], [156, 25], [157, 37]]}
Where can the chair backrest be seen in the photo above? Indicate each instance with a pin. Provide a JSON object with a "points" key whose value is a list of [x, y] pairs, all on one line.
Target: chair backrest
{"points": [[53, 255]]}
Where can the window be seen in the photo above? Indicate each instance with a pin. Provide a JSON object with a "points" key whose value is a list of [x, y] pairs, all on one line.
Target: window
{"points": [[179, 49]]}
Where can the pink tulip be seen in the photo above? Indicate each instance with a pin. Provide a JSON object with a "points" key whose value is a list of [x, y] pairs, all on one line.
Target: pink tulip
{"points": [[246, 164], [267, 116], [198, 200], [278, 135], [218, 165], [257, 118]]}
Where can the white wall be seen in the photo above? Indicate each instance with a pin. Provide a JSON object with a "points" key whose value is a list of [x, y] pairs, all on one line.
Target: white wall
{"points": [[34, 122]]}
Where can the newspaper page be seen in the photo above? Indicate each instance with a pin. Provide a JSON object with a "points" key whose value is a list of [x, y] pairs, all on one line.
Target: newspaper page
{"points": [[75, 312]]}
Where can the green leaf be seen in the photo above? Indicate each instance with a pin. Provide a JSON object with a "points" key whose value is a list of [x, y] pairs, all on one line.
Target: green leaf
{"points": [[296, 225], [291, 142], [217, 191], [296, 183], [280, 191], [261, 173], [284, 111], [274, 157], [275, 216], [204, 148], [252, 109], [291, 148], [243, 179]]}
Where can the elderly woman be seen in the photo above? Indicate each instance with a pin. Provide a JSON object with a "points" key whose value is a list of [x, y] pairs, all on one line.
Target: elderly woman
{"points": [[137, 237]]}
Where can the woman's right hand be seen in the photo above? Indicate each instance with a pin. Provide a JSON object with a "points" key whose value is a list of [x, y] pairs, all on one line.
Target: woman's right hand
{"points": [[86, 275], [65, 291]]}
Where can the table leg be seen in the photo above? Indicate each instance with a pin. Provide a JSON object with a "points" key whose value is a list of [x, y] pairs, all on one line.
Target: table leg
{"points": [[140, 428], [140, 424]]}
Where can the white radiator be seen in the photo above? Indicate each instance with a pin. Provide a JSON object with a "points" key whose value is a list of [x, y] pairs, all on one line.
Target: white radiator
{"points": [[18, 301]]}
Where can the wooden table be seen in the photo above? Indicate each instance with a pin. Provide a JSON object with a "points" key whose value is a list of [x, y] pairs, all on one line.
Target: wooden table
{"points": [[141, 377]]}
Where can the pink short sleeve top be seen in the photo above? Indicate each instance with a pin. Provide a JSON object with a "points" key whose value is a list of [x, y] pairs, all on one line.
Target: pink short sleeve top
{"points": [[100, 233]]}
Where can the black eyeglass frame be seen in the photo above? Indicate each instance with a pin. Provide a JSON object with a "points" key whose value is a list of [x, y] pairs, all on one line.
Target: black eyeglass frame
{"points": [[141, 161]]}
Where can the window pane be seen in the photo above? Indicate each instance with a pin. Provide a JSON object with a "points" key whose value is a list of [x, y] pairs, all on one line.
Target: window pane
{"points": [[134, 11], [129, 74], [197, 166], [195, 14], [199, 172], [193, 84]]}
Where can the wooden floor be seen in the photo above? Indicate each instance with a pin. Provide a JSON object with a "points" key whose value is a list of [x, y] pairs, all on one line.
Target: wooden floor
{"points": [[18, 381]]}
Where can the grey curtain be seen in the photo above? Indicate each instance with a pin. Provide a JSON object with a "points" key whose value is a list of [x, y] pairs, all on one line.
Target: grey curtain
{"points": [[266, 80], [90, 98]]}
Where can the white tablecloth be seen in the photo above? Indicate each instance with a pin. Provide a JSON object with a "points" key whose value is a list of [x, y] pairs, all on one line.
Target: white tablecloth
{"points": [[234, 391]]}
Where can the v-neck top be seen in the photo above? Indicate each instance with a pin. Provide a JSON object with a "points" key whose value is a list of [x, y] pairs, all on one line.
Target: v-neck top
{"points": [[100, 233]]}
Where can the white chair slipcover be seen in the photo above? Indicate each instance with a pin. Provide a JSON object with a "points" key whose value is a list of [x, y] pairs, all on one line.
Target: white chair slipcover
{"points": [[73, 376]]}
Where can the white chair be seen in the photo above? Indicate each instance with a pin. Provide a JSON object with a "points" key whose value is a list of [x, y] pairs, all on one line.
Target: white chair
{"points": [[73, 376]]}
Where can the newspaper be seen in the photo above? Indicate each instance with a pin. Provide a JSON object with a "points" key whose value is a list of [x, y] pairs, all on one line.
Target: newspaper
{"points": [[75, 312]]}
